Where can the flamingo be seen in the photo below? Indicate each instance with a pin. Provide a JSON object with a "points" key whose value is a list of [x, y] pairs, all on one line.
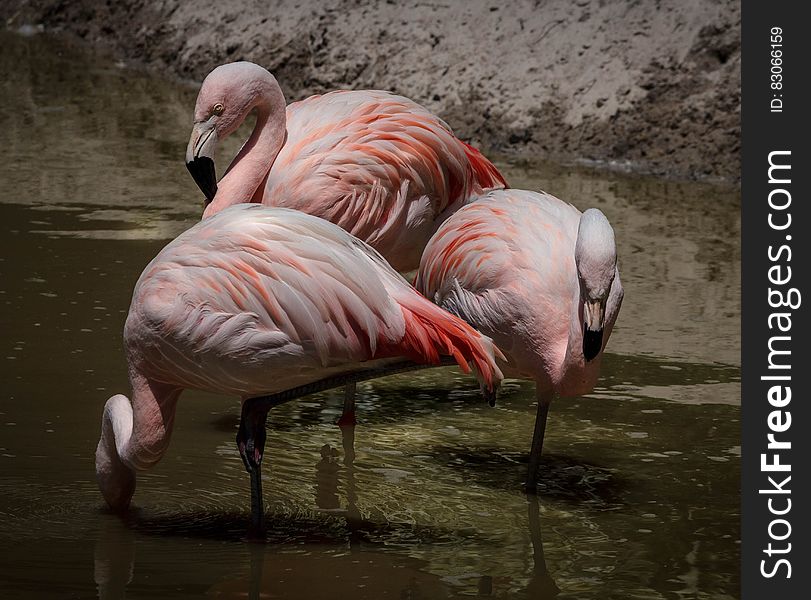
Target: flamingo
{"points": [[267, 304], [539, 278], [379, 165]]}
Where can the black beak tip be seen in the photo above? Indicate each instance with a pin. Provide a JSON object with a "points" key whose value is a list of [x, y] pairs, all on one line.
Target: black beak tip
{"points": [[490, 396], [204, 175], [592, 343]]}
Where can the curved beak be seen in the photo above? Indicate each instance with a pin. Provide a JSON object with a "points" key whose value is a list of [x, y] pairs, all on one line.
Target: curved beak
{"points": [[200, 158], [593, 321]]}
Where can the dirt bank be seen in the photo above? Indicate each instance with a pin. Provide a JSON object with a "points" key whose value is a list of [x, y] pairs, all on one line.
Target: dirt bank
{"points": [[653, 85]]}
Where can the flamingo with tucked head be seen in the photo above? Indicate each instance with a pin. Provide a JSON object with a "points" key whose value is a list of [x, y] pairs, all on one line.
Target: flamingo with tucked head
{"points": [[379, 165], [267, 304], [540, 279]]}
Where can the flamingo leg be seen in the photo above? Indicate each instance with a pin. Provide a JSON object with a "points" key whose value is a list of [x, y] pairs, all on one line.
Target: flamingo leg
{"points": [[348, 416], [251, 435], [251, 443], [537, 444]]}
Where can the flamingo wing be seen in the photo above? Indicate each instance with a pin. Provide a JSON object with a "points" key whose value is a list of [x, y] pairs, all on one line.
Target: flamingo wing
{"points": [[379, 165], [251, 287], [488, 243], [257, 300], [487, 266]]}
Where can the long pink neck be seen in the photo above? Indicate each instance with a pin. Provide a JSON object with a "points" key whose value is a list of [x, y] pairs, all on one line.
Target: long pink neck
{"points": [[253, 162]]}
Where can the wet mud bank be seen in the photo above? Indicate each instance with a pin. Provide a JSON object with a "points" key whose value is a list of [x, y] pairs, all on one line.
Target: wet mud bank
{"points": [[644, 86]]}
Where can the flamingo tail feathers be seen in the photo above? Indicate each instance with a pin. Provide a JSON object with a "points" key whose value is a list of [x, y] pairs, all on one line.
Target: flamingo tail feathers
{"points": [[432, 332], [487, 175]]}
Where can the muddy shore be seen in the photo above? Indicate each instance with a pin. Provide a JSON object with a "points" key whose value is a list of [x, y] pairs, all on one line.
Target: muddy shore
{"points": [[651, 86]]}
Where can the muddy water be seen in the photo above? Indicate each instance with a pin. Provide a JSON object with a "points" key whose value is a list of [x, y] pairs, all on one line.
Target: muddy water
{"points": [[639, 493]]}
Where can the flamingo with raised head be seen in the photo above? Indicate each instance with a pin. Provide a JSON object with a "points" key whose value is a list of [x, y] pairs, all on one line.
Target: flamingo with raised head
{"points": [[267, 304], [379, 165], [540, 279]]}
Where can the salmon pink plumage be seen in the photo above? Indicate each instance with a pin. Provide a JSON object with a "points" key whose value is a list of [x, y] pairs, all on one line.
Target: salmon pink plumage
{"points": [[377, 164]]}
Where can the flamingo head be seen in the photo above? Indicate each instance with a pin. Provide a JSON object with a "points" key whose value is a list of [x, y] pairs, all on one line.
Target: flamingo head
{"points": [[227, 96], [596, 260], [115, 477]]}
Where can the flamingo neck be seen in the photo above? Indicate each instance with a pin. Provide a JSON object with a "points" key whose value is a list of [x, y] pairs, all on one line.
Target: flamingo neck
{"points": [[134, 436], [577, 376], [249, 169]]}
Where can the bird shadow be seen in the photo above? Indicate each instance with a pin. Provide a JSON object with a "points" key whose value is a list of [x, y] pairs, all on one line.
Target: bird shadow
{"points": [[332, 523], [282, 528], [562, 478]]}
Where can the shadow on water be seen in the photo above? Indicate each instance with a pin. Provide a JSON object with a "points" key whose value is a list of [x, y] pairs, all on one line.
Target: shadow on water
{"points": [[564, 479], [333, 479]]}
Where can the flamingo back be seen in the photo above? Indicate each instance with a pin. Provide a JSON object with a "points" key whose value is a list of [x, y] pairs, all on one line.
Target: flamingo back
{"points": [[505, 264], [256, 300], [378, 165], [502, 237]]}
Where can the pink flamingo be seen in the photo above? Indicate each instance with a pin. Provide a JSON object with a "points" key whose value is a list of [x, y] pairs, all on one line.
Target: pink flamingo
{"points": [[377, 164], [268, 304], [540, 279]]}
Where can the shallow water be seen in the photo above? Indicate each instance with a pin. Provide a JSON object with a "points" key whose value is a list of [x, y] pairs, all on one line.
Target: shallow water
{"points": [[639, 492]]}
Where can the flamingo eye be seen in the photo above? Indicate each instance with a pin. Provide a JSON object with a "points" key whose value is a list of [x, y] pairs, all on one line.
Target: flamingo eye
{"points": [[218, 108]]}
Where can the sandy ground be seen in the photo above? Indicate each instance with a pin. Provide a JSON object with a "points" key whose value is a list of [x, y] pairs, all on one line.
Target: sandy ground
{"points": [[648, 85]]}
